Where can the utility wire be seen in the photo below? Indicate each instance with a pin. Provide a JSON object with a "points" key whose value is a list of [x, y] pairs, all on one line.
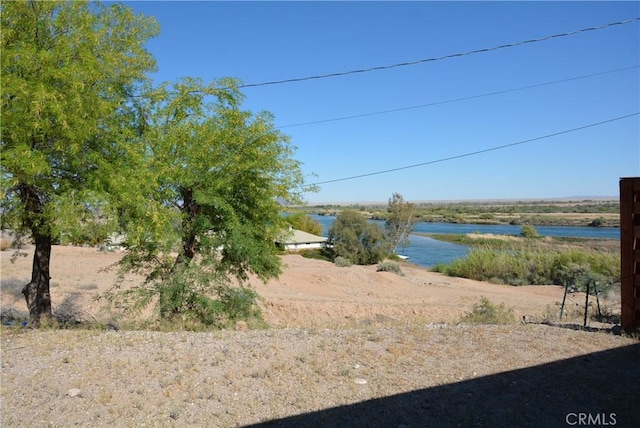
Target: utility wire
{"points": [[474, 153], [355, 116], [420, 61]]}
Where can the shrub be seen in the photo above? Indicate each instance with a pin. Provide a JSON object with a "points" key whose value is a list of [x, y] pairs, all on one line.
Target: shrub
{"points": [[597, 222], [529, 231], [486, 312], [530, 267], [5, 243], [356, 239], [192, 298], [509, 267], [238, 303], [389, 266], [318, 254], [227, 305], [342, 262]]}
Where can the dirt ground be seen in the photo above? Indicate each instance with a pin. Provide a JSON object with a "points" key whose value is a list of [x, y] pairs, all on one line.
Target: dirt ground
{"points": [[309, 293], [346, 347]]}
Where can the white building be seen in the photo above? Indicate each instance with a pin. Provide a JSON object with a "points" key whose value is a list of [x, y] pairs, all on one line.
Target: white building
{"points": [[296, 240]]}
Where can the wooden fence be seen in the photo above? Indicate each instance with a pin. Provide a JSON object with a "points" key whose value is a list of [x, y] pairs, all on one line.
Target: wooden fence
{"points": [[630, 252]]}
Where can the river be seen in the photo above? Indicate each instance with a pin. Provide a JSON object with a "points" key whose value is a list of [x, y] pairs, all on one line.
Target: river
{"points": [[425, 251]]}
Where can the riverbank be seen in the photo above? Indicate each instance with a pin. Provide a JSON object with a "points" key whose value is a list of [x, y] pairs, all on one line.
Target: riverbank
{"points": [[599, 212], [489, 240]]}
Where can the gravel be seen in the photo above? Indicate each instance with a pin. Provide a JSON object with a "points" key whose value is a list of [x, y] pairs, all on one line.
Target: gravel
{"points": [[413, 376]]}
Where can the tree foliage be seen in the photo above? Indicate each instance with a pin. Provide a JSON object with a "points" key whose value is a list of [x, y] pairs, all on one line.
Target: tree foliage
{"points": [[88, 147], [529, 231], [68, 71], [356, 239], [303, 221], [215, 174], [401, 219]]}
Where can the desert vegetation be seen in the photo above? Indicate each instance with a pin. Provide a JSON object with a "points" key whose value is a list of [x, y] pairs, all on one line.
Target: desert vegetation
{"points": [[190, 179], [530, 259], [173, 330], [486, 312], [586, 212], [355, 240]]}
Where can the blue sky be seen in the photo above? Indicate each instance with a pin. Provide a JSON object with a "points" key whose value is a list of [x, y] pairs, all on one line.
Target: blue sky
{"points": [[265, 41]]}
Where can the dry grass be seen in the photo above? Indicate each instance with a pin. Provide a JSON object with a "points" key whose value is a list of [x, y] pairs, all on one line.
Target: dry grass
{"points": [[232, 379], [5, 243]]}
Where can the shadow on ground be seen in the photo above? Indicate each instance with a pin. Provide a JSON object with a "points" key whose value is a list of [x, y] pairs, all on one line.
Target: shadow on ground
{"points": [[598, 389]]}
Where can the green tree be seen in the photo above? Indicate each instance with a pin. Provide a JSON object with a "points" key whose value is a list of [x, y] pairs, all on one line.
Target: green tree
{"points": [[356, 239], [400, 221], [68, 71], [303, 221], [215, 176]]}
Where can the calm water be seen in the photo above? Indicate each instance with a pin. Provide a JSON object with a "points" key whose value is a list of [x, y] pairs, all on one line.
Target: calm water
{"points": [[427, 252]]}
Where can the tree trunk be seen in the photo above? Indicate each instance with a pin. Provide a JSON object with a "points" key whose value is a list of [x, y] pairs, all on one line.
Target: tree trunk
{"points": [[37, 292], [191, 210], [172, 293]]}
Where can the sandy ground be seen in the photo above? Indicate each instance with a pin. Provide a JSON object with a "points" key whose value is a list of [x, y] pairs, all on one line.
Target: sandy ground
{"points": [[347, 347], [309, 293]]}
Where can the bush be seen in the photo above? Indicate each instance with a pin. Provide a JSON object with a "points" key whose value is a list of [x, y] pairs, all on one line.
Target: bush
{"points": [[239, 303], [228, 305], [597, 222], [486, 312], [529, 231], [342, 262], [506, 267], [192, 298], [389, 266], [5, 243], [317, 254], [531, 267], [356, 239]]}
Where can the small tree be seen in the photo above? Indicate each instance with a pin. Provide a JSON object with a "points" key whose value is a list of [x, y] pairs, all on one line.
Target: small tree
{"points": [[215, 174], [356, 239], [400, 222]]}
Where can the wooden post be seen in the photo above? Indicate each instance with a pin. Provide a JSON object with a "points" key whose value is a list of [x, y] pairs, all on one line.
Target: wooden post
{"points": [[630, 252]]}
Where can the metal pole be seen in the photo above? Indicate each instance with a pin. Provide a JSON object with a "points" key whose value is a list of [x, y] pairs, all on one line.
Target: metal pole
{"points": [[595, 285], [566, 287], [586, 304]]}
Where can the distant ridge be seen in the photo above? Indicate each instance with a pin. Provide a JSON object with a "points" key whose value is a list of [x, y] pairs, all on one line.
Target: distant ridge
{"points": [[476, 201]]}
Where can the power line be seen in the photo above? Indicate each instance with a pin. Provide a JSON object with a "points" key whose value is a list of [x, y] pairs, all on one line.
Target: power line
{"points": [[420, 61], [355, 116], [473, 153]]}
